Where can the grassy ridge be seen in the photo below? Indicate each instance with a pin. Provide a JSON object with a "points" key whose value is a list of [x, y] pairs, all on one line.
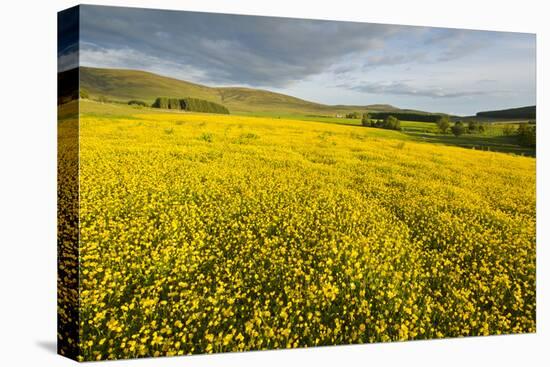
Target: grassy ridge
{"points": [[123, 85]]}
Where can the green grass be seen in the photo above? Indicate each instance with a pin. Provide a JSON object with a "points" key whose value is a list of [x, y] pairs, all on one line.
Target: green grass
{"points": [[418, 127], [493, 138], [306, 117], [505, 144]]}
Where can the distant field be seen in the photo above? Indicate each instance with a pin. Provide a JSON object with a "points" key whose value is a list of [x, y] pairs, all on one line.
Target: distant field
{"points": [[493, 138], [212, 233], [306, 117]]}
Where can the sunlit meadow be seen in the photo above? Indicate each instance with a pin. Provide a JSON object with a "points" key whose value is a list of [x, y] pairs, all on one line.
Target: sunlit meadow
{"points": [[206, 233]]}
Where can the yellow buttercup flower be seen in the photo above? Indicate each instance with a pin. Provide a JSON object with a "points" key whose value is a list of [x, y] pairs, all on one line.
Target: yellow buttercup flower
{"points": [[282, 233]]}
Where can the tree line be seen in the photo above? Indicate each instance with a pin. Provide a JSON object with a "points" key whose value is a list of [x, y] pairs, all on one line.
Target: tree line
{"points": [[185, 104], [407, 116], [526, 133], [459, 128], [389, 122], [529, 112], [189, 104]]}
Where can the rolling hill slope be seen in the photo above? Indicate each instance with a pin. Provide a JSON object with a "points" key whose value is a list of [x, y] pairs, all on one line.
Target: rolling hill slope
{"points": [[123, 85]]}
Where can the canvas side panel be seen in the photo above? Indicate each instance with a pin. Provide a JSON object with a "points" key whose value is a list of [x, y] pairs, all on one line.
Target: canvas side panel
{"points": [[68, 184]]}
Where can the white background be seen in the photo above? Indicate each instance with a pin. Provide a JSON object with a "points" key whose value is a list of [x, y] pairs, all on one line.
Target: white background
{"points": [[28, 182]]}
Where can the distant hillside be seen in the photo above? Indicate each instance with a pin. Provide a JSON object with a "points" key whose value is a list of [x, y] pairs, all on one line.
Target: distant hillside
{"points": [[257, 100], [124, 85], [529, 112]]}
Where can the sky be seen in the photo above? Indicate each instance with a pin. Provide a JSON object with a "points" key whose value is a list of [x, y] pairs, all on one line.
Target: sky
{"points": [[433, 69]]}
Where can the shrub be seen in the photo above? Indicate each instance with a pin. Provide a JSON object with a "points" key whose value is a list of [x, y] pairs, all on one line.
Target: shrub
{"points": [[392, 123], [508, 130], [458, 128], [160, 102], [365, 120], [84, 94], [377, 123], [135, 102], [443, 124], [473, 126], [353, 115], [527, 135], [481, 128]]}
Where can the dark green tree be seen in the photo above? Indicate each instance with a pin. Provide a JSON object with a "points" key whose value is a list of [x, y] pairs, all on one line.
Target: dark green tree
{"points": [[136, 102], [443, 124], [527, 135], [458, 128], [353, 115], [392, 123], [365, 120], [473, 126]]}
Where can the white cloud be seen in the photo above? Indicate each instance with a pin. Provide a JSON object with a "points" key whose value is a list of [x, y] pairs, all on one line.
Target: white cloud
{"points": [[126, 58]]}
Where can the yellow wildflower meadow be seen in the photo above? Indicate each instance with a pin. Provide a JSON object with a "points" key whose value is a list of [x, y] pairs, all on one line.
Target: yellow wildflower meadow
{"points": [[203, 233]]}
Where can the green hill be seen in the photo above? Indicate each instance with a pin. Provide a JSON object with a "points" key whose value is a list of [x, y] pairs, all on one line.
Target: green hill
{"points": [[528, 112], [124, 85], [257, 100]]}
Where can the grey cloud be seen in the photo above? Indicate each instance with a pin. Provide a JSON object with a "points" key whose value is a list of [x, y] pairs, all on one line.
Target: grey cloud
{"points": [[456, 43], [223, 49], [232, 48], [394, 59], [486, 81], [405, 88], [67, 58]]}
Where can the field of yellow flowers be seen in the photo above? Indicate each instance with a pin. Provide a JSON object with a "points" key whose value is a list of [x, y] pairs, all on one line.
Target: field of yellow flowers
{"points": [[203, 233]]}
